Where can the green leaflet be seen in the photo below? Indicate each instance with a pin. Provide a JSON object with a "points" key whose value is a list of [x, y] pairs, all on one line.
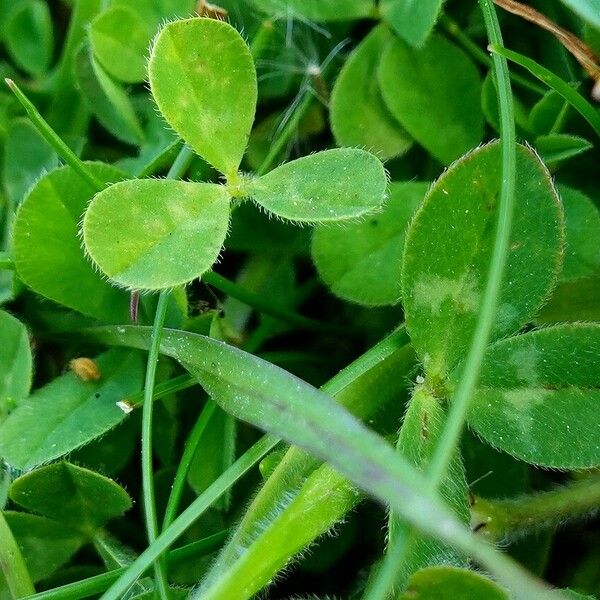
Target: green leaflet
{"points": [[442, 583], [27, 156], [106, 99], [15, 363], [203, 79], [361, 261], [318, 10], [448, 249], [155, 12], [28, 35], [153, 234], [558, 147], [71, 495], [359, 116], [46, 243], [45, 544], [332, 185], [323, 499], [538, 395], [582, 222], [13, 570], [422, 426], [120, 39], [412, 20], [435, 94], [71, 504], [69, 412]]}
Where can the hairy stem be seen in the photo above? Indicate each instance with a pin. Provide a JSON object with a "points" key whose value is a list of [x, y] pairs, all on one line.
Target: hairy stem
{"points": [[448, 442], [501, 519]]}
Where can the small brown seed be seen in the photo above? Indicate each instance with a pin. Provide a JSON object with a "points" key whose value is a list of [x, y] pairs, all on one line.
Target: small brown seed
{"points": [[85, 368]]}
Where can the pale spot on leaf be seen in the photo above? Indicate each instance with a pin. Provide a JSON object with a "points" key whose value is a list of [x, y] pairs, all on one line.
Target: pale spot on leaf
{"points": [[434, 290]]}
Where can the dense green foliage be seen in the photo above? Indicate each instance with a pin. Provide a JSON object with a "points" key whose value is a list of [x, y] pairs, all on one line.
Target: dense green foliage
{"points": [[278, 246]]}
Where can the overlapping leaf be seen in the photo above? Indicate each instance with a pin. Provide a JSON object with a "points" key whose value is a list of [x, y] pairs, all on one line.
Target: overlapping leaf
{"points": [[448, 250], [434, 92], [359, 116], [362, 261], [538, 397], [46, 243], [69, 412]]}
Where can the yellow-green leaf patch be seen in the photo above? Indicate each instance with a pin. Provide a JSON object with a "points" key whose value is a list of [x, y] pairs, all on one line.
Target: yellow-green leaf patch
{"points": [[155, 234], [203, 79], [332, 185]]}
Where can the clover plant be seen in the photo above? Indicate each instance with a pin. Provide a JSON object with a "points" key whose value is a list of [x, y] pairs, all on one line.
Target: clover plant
{"points": [[405, 239]]}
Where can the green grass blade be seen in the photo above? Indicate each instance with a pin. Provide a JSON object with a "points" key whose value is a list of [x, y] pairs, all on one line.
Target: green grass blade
{"points": [[12, 564], [574, 98]]}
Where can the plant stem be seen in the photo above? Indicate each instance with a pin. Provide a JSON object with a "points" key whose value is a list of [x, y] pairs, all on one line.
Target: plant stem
{"points": [[54, 139], [503, 518], [177, 170], [191, 514], [183, 468], [448, 442], [386, 575], [166, 388], [487, 312], [264, 304], [6, 262], [100, 583], [12, 564], [149, 500]]}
